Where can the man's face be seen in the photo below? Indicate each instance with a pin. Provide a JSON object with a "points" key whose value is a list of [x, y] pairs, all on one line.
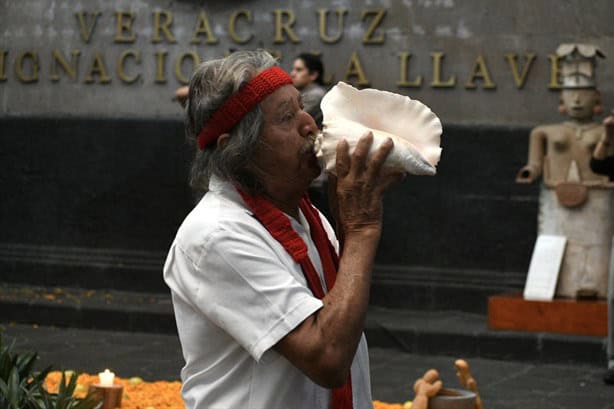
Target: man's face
{"points": [[284, 159], [300, 74], [579, 103]]}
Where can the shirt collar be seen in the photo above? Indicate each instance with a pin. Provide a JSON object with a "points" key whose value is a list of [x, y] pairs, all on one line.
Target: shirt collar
{"points": [[224, 188]]}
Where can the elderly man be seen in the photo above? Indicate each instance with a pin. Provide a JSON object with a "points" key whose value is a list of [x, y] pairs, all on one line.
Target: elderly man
{"points": [[268, 315]]}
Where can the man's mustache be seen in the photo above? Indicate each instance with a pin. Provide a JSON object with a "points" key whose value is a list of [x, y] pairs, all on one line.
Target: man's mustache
{"points": [[309, 144]]}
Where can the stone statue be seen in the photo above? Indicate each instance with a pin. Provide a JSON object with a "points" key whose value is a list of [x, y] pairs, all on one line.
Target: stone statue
{"points": [[574, 202]]}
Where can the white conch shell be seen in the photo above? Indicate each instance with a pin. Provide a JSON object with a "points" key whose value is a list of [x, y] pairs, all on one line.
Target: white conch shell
{"points": [[349, 113]]}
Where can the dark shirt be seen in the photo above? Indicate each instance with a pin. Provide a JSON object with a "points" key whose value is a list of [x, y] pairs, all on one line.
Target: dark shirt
{"points": [[603, 166], [312, 96]]}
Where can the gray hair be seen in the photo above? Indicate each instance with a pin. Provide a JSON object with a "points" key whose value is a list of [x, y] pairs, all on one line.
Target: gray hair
{"points": [[211, 85]]}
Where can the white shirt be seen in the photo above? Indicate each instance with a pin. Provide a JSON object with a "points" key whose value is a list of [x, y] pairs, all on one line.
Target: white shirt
{"points": [[237, 292]]}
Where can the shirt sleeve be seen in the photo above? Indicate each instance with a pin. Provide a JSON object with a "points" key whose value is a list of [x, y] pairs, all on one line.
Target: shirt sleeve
{"points": [[241, 284]]}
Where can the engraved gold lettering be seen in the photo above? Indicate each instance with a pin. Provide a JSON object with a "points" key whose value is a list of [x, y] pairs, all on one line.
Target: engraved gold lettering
{"points": [[70, 69], [480, 70], [184, 79], [232, 29], [203, 28], [554, 72], [86, 33], [323, 17], [512, 60], [160, 66], [282, 26], [123, 28], [329, 80], [164, 26], [98, 69], [378, 16], [20, 70], [354, 69], [121, 72], [404, 81], [437, 57]]}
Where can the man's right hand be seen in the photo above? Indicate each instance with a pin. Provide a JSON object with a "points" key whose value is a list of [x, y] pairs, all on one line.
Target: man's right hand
{"points": [[181, 95], [361, 183]]}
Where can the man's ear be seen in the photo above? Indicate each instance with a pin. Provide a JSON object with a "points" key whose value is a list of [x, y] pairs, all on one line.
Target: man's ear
{"points": [[314, 76], [222, 140]]}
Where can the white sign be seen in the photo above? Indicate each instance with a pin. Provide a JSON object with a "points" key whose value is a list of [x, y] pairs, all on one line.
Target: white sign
{"points": [[544, 268]]}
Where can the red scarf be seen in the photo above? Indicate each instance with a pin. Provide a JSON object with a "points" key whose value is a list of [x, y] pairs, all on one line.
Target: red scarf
{"points": [[279, 226]]}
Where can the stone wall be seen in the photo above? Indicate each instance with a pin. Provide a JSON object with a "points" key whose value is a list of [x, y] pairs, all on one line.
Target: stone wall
{"points": [[468, 60], [97, 203], [94, 162]]}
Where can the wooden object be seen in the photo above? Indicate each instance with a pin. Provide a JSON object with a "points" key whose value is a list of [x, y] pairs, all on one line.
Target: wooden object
{"points": [[467, 380], [425, 388], [453, 399], [111, 396], [564, 316]]}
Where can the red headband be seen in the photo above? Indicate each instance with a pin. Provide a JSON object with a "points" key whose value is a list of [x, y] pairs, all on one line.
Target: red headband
{"points": [[239, 104]]}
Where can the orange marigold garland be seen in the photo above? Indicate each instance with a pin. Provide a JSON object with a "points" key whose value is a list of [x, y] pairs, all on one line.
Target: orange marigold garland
{"points": [[139, 394]]}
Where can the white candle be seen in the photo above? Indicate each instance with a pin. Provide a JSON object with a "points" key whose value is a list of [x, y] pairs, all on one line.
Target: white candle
{"points": [[106, 378]]}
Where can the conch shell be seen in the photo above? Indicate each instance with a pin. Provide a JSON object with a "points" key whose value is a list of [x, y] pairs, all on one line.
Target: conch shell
{"points": [[349, 113]]}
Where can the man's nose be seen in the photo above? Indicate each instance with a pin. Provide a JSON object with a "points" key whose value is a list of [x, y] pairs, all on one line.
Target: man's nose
{"points": [[308, 125]]}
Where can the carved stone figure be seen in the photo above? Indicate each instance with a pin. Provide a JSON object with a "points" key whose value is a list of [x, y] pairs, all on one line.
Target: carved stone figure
{"points": [[574, 202]]}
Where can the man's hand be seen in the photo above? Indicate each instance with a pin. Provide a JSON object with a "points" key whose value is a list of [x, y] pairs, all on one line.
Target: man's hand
{"points": [[360, 185], [604, 147], [181, 95]]}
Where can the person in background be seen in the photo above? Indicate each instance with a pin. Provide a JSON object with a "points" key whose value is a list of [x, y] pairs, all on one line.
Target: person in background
{"points": [[308, 78], [602, 162]]}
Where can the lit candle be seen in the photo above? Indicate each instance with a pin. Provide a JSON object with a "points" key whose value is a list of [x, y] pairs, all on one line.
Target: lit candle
{"points": [[106, 378]]}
